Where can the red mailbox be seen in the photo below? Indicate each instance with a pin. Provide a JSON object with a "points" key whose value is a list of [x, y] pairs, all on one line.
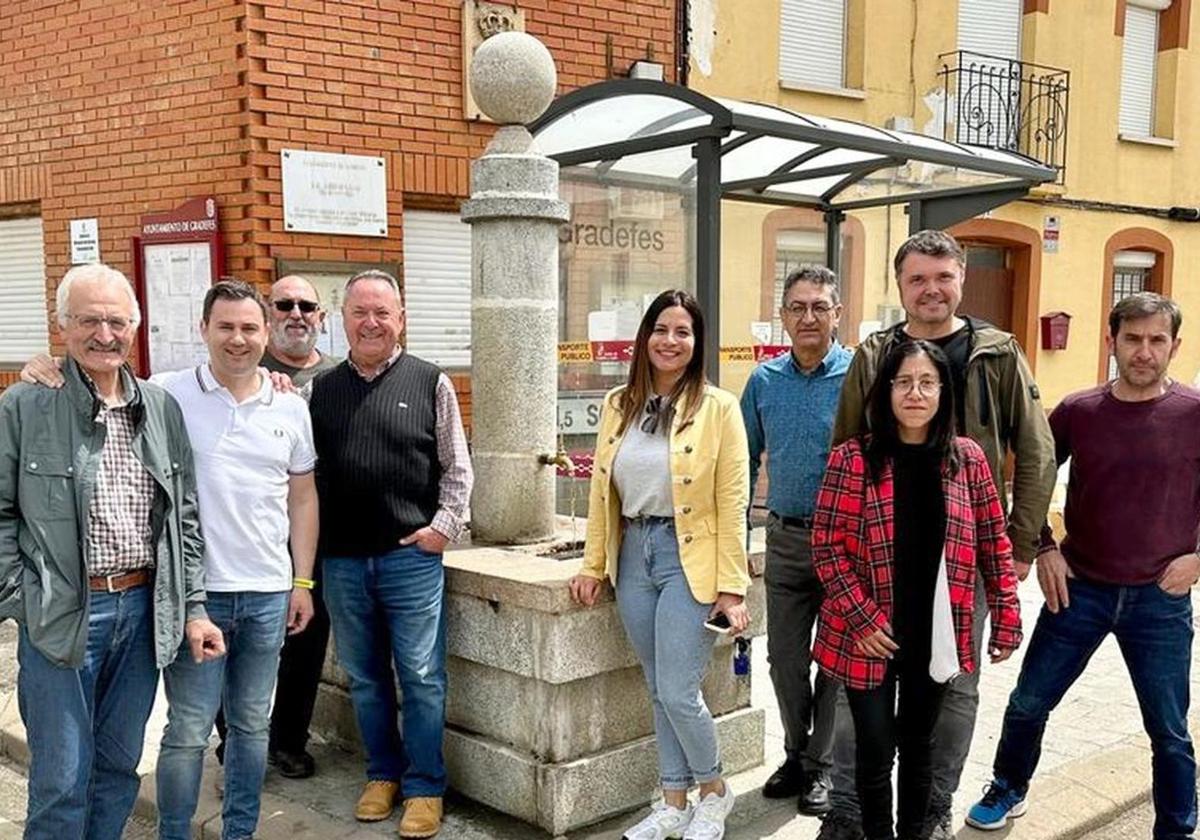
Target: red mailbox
{"points": [[1055, 327]]}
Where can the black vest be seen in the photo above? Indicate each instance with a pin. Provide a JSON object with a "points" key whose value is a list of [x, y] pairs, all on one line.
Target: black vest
{"points": [[377, 459]]}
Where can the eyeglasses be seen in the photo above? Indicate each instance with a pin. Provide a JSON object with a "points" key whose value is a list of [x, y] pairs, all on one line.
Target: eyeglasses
{"points": [[799, 310], [306, 306], [92, 323], [924, 387]]}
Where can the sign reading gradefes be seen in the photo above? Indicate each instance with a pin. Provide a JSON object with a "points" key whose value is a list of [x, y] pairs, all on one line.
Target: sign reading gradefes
{"points": [[330, 193]]}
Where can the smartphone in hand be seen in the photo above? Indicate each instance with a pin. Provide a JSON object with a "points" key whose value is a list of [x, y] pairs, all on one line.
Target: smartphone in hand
{"points": [[719, 623]]}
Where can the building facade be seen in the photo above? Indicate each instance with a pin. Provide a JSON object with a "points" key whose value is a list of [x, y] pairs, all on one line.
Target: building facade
{"points": [[112, 111], [1103, 89]]}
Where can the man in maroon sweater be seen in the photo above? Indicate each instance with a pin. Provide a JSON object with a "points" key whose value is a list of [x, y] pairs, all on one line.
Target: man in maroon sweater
{"points": [[1126, 567]]}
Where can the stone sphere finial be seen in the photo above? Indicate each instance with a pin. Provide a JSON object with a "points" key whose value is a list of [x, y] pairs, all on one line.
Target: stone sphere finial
{"points": [[513, 78]]}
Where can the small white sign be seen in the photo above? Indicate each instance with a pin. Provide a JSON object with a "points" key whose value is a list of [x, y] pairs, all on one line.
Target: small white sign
{"points": [[579, 412], [338, 194], [85, 241], [761, 331]]}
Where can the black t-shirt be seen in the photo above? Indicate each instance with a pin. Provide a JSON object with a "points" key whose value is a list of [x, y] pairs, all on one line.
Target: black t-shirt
{"points": [[957, 347], [920, 529]]}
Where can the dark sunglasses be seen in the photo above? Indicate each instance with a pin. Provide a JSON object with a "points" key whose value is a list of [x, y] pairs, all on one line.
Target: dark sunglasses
{"points": [[306, 306]]}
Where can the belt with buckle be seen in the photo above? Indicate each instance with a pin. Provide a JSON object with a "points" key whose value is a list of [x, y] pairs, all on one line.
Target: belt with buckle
{"points": [[804, 522], [120, 581]]}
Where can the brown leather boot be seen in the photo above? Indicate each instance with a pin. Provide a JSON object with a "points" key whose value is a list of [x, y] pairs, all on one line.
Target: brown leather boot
{"points": [[422, 816], [376, 802]]}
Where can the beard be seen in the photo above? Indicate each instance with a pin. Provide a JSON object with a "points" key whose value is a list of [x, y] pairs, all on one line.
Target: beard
{"points": [[291, 344]]}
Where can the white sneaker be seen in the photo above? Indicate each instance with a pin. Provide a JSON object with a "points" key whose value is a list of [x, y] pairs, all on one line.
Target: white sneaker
{"points": [[708, 821], [663, 821]]}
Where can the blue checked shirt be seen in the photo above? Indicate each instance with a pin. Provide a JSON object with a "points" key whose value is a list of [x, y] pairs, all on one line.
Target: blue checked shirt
{"points": [[789, 415]]}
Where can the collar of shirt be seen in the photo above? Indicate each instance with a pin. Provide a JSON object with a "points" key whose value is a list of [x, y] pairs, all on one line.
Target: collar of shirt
{"points": [[379, 370], [209, 384], [835, 361], [128, 391]]}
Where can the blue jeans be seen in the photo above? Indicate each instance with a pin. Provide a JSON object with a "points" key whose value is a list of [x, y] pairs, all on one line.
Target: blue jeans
{"points": [[254, 624], [85, 725], [1154, 631], [391, 610], [665, 624]]}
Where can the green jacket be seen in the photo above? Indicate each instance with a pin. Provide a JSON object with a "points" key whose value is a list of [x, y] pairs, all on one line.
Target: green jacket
{"points": [[50, 448], [1003, 412]]}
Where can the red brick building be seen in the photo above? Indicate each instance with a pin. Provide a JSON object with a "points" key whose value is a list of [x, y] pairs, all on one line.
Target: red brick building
{"points": [[111, 109]]}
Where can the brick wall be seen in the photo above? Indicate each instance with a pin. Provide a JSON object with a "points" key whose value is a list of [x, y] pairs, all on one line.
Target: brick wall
{"points": [[113, 109]]}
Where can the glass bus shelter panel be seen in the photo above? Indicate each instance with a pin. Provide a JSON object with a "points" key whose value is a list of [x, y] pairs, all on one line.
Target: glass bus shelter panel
{"points": [[623, 245], [607, 121]]}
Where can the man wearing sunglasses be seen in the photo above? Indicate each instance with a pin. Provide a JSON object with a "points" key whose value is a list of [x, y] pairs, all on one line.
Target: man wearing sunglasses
{"points": [[296, 322]]}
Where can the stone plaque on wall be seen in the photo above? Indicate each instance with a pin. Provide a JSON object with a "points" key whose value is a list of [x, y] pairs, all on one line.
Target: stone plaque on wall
{"points": [[480, 21]]}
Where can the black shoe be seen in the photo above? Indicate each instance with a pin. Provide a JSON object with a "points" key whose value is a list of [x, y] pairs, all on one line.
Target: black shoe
{"points": [[292, 765], [814, 795], [787, 781], [837, 826]]}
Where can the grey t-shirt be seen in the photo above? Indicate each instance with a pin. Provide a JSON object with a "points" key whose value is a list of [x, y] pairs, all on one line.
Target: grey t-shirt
{"points": [[301, 377], [642, 472]]}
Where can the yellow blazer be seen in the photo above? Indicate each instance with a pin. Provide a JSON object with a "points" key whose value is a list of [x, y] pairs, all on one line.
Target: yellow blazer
{"points": [[710, 481]]}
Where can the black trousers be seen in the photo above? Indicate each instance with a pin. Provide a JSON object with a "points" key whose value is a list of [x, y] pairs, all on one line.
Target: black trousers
{"points": [[300, 664], [885, 723]]}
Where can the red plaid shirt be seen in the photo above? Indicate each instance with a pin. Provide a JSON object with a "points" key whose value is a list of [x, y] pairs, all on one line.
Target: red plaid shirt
{"points": [[852, 545]]}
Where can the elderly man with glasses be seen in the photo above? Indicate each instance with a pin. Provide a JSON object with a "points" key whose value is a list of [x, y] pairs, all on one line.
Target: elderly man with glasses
{"points": [[101, 560], [789, 405]]}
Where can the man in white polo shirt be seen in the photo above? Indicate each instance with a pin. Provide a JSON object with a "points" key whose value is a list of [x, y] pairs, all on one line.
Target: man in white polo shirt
{"points": [[254, 475]]}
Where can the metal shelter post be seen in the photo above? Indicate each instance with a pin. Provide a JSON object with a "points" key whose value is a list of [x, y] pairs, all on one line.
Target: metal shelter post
{"points": [[708, 248], [833, 241]]}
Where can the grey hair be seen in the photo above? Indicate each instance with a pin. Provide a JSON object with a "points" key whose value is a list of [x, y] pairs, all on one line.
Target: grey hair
{"points": [[931, 243], [1143, 305], [818, 275], [380, 275], [94, 273]]}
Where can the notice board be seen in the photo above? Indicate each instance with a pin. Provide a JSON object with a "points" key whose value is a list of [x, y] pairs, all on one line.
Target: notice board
{"points": [[179, 255]]}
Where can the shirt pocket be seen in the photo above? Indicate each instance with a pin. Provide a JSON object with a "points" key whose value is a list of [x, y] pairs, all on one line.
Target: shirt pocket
{"points": [[48, 487]]}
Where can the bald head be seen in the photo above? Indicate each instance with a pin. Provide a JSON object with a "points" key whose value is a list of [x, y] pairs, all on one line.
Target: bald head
{"points": [[294, 331]]}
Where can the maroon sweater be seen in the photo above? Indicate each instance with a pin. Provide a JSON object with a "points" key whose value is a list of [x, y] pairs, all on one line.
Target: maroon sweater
{"points": [[1133, 500]]}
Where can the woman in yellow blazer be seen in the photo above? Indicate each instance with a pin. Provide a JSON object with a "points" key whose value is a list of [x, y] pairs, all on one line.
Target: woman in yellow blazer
{"points": [[667, 526]]}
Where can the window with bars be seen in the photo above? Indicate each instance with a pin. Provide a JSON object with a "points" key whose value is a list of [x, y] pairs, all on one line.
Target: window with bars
{"points": [[1127, 280]]}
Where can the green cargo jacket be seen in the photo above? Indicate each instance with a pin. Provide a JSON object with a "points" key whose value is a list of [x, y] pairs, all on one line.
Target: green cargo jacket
{"points": [[1004, 412], [50, 448]]}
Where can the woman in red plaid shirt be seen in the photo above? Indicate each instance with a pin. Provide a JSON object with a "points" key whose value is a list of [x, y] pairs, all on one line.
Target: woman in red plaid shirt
{"points": [[905, 518]]}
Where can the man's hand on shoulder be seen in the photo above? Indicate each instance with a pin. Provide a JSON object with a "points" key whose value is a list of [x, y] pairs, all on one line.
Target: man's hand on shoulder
{"points": [[281, 382], [43, 370]]}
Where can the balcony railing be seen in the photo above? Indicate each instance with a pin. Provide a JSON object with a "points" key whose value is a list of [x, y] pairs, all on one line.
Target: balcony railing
{"points": [[1004, 104]]}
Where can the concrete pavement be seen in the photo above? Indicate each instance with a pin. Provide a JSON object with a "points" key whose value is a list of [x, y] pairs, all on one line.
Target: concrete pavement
{"points": [[1095, 767]]}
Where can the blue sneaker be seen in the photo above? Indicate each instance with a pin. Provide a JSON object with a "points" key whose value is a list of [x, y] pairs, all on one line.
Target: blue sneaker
{"points": [[999, 804]]}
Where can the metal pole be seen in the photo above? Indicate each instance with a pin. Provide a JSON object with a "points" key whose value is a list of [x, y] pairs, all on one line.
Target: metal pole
{"points": [[833, 241], [708, 248]]}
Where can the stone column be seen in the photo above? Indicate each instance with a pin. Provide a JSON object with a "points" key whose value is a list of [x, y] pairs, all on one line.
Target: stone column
{"points": [[515, 213]]}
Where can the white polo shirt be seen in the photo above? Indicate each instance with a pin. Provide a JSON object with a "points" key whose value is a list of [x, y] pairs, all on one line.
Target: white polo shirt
{"points": [[244, 455]]}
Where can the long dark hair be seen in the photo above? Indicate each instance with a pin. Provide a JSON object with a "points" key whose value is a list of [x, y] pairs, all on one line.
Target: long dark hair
{"points": [[690, 387], [884, 439]]}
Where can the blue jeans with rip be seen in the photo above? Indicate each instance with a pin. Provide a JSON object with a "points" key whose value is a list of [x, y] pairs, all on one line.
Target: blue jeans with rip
{"points": [[85, 725], [390, 611], [1154, 632], [254, 625], [665, 624]]}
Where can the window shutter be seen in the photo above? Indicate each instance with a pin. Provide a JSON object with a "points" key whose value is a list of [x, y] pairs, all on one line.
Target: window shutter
{"points": [[23, 315], [437, 287], [991, 27], [1139, 55], [812, 39]]}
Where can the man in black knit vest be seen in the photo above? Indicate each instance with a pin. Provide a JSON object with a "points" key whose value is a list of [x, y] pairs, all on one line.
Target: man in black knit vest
{"points": [[394, 479]]}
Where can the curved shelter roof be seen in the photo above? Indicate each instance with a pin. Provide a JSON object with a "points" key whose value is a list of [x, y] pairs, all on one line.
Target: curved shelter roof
{"points": [[642, 131]]}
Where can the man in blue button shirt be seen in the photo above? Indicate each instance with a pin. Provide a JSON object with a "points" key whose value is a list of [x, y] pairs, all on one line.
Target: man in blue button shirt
{"points": [[789, 405]]}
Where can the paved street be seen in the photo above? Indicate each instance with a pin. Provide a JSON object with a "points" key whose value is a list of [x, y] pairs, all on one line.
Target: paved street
{"points": [[1095, 757]]}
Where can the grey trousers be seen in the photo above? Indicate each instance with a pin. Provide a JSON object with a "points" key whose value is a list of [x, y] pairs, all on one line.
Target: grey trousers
{"points": [[951, 735], [794, 595]]}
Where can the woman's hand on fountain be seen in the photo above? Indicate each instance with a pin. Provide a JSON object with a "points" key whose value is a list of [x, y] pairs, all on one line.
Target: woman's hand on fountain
{"points": [[584, 590]]}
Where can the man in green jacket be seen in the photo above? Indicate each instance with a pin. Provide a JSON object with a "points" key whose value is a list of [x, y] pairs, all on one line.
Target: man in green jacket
{"points": [[997, 405], [101, 561]]}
